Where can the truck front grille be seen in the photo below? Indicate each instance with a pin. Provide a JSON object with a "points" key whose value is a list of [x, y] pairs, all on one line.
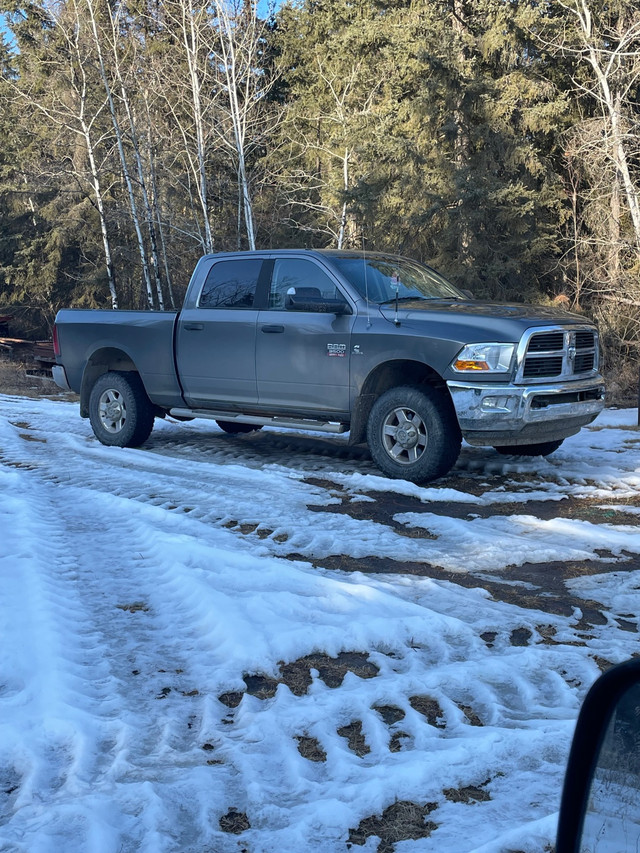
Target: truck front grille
{"points": [[558, 353], [550, 365], [546, 341]]}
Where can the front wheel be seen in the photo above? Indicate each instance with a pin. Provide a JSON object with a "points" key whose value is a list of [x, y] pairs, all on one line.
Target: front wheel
{"points": [[120, 412], [413, 433], [543, 448]]}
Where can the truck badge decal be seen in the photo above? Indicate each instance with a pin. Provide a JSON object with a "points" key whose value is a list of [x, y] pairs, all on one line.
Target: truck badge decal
{"points": [[337, 350]]}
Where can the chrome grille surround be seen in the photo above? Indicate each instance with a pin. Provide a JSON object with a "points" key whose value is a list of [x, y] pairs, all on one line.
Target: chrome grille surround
{"points": [[557, 352]]}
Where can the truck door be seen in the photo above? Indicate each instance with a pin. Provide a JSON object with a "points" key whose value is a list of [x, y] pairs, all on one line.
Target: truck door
{"points": [[216, 338], [303, 356]]}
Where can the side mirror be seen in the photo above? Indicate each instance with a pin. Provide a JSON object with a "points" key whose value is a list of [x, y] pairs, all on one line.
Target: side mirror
{"points": [[600, 809], [317, 305]]}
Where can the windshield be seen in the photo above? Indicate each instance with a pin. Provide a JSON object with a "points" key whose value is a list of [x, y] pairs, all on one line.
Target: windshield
{"points": [[380, 277]]}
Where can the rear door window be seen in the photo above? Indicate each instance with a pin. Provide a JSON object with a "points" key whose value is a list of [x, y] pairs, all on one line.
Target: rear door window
{"points": [[231, 284]]}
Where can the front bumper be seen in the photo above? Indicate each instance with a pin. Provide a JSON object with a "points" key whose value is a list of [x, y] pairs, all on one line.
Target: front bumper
{"points": [[505, 414]]}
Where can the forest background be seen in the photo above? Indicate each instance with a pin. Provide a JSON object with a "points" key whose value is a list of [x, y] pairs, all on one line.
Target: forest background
{"points": [[497, 140]]}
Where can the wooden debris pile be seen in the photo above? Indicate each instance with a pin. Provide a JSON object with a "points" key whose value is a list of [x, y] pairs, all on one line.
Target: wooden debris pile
{"points": [[37, 356]]}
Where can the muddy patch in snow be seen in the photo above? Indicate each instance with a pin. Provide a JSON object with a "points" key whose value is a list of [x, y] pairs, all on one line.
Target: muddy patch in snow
{"points": [[402, 821], [297, 675], [382, 507], [535, 586]]}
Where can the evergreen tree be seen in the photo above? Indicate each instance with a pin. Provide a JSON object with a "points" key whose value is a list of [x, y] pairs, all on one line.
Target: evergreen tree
{"points": [[447, 124], [495, 139]]}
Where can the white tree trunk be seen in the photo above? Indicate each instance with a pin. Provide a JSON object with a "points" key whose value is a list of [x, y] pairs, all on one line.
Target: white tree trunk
{"points": [[123, 160], [95, 178], [247, 204], [124, 96], [72, 115], [97, 189], [345, 186], [604, 65], [238, 40], [153, 242], [191, 43]]}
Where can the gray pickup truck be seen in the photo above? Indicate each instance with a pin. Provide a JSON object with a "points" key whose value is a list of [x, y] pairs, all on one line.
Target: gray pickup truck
{"points": [[373, 344]]}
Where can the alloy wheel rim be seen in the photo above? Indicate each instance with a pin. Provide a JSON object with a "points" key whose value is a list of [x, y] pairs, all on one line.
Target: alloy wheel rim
{"points": [[404, 435], [112, 410]]}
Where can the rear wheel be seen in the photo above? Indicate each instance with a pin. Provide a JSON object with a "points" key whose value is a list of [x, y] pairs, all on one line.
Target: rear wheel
{"points": [[543, 448], [120, 412], [413, 433], [234, 428]]}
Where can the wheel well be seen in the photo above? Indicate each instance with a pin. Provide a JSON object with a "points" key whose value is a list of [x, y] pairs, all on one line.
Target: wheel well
{"points": [[381, 379], [101, 361]]}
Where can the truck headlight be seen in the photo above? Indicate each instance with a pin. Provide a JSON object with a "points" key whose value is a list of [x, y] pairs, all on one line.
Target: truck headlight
{"points": [[484, 358]]}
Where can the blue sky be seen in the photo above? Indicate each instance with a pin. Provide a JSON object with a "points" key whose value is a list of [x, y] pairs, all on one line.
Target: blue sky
{"points": [[3, 29]]}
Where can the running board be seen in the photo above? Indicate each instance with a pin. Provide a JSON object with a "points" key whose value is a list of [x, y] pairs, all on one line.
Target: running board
{"points": [[287, 423]]}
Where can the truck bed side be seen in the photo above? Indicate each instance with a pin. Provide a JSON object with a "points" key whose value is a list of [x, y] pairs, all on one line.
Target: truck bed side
{"points": [[92, 342]]}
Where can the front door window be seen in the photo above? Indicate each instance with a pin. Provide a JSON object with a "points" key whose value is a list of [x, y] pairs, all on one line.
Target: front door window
{"points": [[300, 277]]}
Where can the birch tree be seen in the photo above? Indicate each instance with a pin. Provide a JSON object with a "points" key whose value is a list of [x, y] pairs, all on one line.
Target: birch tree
{"points": [[607, 41], [63, 94], [186, 88], [108, 46], [598, 44], [238, 37], [119, 136]]}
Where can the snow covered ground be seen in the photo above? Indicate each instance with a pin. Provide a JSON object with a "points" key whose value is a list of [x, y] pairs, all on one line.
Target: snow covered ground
{"points": [[195, 657]]}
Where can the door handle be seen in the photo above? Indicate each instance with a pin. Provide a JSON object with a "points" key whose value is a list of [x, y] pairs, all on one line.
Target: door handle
{"points": [[193, 327], [272, 329]]}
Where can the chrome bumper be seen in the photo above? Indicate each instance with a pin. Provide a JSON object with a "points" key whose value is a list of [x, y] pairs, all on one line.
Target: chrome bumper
{"points": [[516, 414]]}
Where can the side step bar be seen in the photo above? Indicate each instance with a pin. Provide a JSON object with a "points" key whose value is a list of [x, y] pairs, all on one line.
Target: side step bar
{"points": [[287, 423]]}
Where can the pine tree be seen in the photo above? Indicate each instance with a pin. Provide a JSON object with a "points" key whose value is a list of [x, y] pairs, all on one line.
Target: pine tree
{"points": [[447, 127]]}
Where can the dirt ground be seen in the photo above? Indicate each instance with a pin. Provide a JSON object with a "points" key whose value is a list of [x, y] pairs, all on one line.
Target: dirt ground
{"points": [[536, 586], [15, 380]]}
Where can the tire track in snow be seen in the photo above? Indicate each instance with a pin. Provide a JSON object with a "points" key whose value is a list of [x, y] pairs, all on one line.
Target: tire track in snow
{"points": [[279, 518], [52, 636], [218, 495], [160, 623], [94, 653], [106, 527]]}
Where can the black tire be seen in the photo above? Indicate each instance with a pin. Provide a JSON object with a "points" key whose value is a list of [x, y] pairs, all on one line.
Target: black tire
{"points": [[234, 428], [543, 448], [120, 412], [413, 433]]}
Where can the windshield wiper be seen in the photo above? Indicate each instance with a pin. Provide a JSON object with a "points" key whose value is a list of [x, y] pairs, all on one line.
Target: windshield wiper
{"points": [[405, 299]]}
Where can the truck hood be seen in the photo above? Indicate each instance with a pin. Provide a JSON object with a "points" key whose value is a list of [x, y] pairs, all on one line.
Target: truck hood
{"points": [[515, 311], [483, 320]]}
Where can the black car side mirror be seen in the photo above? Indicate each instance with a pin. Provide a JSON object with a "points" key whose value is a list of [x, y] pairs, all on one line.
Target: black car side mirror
{"points": [[317, 305], [600, 808]]}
